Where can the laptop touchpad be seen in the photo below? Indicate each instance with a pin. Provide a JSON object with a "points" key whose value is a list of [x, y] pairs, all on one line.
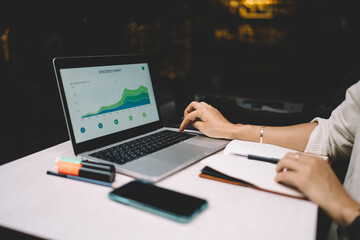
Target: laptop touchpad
{"points": [[181, 153], [150, 166], [167, 159]]}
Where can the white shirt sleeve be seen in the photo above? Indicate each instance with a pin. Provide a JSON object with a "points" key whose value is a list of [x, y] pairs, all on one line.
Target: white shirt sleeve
{"points": [[335, 136]]}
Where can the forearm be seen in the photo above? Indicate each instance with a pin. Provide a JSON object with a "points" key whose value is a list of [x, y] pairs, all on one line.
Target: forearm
{"points": [[294, 137], [343, 210]]}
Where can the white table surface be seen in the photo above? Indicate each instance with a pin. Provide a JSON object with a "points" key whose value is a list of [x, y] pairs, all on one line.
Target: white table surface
{"points": [[52, 207]]}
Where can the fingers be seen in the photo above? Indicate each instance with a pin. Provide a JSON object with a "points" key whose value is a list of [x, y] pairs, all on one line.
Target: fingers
{"points": [[288, 170], [292, 169], [289, 178], [309, 174], [191, 107], [192, 112], [189, 118], [198, 125], [291, 161]]}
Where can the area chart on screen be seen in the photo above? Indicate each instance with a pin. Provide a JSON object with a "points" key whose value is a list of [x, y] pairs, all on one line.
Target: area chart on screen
{"points": [[129, 99]]}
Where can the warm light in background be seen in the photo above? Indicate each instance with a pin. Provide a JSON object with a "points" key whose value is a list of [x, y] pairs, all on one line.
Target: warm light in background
{"points": [[259, 9], [248, 31], [5, 42], [254, 35]]}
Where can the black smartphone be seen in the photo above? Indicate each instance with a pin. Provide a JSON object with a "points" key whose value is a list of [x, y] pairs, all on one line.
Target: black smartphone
{"points": [[164, 202]]}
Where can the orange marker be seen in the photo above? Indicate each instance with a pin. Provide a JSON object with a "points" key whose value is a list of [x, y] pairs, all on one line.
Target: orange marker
{"points": [[85, 163], [68, 168], [75, 169]]}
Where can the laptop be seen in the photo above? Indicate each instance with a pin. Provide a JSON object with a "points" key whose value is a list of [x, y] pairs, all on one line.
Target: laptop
{"points": [[113, 117]]}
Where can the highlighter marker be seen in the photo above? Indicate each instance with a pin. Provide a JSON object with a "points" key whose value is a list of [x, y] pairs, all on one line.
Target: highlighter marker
{"points": [[75, 169], [85, 163]]}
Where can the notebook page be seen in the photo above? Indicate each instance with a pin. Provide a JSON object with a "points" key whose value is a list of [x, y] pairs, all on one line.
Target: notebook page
{"points": [[260, 174], [260, 149]]}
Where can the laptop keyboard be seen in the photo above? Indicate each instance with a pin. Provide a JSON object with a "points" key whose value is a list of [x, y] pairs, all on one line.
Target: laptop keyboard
{"points": [[137, 148]]}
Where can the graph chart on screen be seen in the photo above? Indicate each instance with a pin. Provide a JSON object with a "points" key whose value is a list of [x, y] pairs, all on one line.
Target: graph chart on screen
{"points": [[102, 101], [129, 99]]}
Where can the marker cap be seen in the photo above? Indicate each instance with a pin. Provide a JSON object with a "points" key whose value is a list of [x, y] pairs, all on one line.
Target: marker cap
{"points": [[68, 168]]}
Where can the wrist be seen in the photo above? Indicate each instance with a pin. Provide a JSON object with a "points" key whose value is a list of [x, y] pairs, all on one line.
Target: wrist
{"points": [[245, 132], [349, 214], [230, 131], [344, 211]]}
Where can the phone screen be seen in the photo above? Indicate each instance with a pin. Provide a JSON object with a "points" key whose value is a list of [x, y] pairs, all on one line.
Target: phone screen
{"points": [[161, 201]]}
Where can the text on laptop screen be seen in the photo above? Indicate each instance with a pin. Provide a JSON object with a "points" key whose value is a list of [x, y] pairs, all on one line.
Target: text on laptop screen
{"points": [[108, 99]]}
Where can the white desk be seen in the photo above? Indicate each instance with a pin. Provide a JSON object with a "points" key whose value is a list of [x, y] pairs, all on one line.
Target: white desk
{"points": [[51, 207]]}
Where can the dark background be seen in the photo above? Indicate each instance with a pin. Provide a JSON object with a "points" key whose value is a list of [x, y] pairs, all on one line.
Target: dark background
{"points": [[287, 50]]}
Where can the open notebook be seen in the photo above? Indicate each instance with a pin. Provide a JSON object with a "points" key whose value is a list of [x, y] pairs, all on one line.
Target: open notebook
{"points": [[226, 167]]}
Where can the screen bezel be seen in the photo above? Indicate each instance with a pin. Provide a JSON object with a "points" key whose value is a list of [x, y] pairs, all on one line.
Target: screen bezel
{"points": [[92, 61]]}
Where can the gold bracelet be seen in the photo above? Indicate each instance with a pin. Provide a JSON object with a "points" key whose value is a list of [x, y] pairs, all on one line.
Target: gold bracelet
{"points": [[262, 133]]}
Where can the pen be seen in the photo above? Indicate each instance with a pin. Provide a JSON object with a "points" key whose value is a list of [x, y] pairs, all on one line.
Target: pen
{"points": [[258, 158], [80, 179]]}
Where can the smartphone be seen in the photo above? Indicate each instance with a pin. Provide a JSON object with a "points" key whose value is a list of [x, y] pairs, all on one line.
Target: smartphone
{"points": [[164, 202]]}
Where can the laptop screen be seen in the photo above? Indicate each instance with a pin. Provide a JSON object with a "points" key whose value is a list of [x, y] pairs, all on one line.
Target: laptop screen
{"points": [[103, 100]]}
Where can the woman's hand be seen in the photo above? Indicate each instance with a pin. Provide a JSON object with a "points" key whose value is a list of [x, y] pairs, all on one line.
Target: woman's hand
{"points": [[314, 177], [206, 119]]}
